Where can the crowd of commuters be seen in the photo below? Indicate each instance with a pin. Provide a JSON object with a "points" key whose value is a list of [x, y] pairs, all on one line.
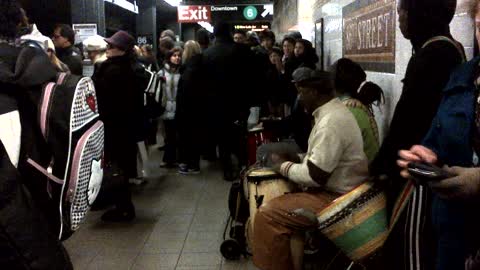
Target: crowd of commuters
{"points": [[205, 95]]}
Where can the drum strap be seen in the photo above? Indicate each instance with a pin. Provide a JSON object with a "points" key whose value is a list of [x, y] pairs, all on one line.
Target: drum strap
{"points": [[401, 202]]}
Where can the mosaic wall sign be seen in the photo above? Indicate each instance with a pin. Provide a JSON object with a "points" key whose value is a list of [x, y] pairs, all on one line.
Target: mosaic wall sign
{"points": [[369, 34]]}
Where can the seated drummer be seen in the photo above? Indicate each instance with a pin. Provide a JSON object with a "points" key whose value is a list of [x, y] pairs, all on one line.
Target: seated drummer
{"points": [[334, 164]]}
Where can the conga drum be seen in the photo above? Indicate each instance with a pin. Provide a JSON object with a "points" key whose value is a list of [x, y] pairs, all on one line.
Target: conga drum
{"points": [[357, 221], [263, 185]]}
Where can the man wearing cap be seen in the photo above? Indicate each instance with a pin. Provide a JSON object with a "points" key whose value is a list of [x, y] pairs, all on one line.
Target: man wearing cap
{"points": [[334, 164], [96, 48], [64, 39], [118, 103]]}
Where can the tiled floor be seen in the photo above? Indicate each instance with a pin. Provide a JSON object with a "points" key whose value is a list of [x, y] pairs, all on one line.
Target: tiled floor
{"points": [[179, 225]]}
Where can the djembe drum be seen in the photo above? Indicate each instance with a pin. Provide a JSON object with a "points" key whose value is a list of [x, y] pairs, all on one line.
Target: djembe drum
{"points": [[357, 222]]}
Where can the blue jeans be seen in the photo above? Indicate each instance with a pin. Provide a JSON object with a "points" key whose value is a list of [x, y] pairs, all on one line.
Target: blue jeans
{"points": [[448, 219]]}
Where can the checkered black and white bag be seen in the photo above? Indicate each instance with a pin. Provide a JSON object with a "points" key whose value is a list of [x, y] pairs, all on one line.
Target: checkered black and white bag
{"points": [[69, 122]]}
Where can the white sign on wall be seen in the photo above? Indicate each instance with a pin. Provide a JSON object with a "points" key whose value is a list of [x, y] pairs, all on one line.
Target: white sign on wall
{"points": [[83, 31]]}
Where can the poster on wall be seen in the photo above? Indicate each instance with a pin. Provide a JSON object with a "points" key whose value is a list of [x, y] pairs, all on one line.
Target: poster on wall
{"points": [[369, 34], [319, 41], [83, 31]]}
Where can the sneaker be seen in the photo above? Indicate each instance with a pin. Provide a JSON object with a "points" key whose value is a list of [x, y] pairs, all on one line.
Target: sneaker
{"points": [[118, 215], [187, 171], [184, 169]]}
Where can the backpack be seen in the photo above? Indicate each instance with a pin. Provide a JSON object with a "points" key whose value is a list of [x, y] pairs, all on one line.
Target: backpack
{"points": [[69, 122], [154, 94]]}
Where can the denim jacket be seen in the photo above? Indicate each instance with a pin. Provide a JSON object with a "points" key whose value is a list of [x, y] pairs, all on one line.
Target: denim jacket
{"points": [[450, 135]]}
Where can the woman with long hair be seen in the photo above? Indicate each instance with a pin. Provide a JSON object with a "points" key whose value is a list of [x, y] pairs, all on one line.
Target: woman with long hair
{"points": [[171, 76], [52, 55], [305, 54], [189, 109], [359, 95]]}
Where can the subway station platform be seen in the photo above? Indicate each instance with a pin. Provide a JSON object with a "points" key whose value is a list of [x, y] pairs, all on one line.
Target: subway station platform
{"points": [[179, 225]]}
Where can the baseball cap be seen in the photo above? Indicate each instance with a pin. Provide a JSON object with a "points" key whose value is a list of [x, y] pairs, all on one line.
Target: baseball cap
{"points": [[305, 74], [121, 40]]}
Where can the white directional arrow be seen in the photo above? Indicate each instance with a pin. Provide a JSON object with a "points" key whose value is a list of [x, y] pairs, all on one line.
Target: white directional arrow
{"points": [[268, 10]]}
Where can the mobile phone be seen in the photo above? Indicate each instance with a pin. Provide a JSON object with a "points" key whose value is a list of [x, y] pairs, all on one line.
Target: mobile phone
{"points": [[427, 172]]}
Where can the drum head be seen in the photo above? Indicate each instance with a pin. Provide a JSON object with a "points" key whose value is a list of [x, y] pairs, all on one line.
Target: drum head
{"points": [[255, 129], [262, 174]]}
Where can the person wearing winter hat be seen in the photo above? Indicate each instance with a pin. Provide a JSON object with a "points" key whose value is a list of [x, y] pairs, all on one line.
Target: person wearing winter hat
{"points": [[430, 233], [96, 48], [115, 82]]}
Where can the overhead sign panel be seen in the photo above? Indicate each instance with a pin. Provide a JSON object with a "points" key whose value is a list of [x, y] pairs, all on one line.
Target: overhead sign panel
{"points": [[193, 14], [257, 27], [228, 13], [243, 12]]}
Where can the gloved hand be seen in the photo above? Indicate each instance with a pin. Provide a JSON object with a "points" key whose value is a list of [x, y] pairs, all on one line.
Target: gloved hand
{"points": [[465, 185]]}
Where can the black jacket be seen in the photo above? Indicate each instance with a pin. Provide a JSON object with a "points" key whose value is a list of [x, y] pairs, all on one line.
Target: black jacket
{"points": [[120, 104], [27, 236], [232, 80], [427, 74], [190, 94], [72, 57]]}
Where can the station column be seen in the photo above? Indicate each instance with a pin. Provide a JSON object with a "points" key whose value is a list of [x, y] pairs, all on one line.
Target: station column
{"points": [[89, 11]]}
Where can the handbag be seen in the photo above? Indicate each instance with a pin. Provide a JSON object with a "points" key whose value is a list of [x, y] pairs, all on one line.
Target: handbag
{"points": [[154, 94]]}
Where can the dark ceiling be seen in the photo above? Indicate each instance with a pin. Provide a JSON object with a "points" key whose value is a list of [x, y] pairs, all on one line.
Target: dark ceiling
{"points": [[164, 10]]}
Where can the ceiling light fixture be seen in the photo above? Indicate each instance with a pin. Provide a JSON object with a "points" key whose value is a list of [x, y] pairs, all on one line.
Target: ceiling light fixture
{"points": [[173, 3], [125, 4], [207, 26]]}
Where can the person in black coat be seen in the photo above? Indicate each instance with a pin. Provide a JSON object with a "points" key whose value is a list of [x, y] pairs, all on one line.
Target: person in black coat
{"points": [[64, 39], [118, 99], [232, 89], [427, 74], [190, 114], [28, 233]]}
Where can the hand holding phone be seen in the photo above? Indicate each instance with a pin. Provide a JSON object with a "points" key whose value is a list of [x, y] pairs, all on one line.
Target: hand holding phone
{"points": [[427, 172]]}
